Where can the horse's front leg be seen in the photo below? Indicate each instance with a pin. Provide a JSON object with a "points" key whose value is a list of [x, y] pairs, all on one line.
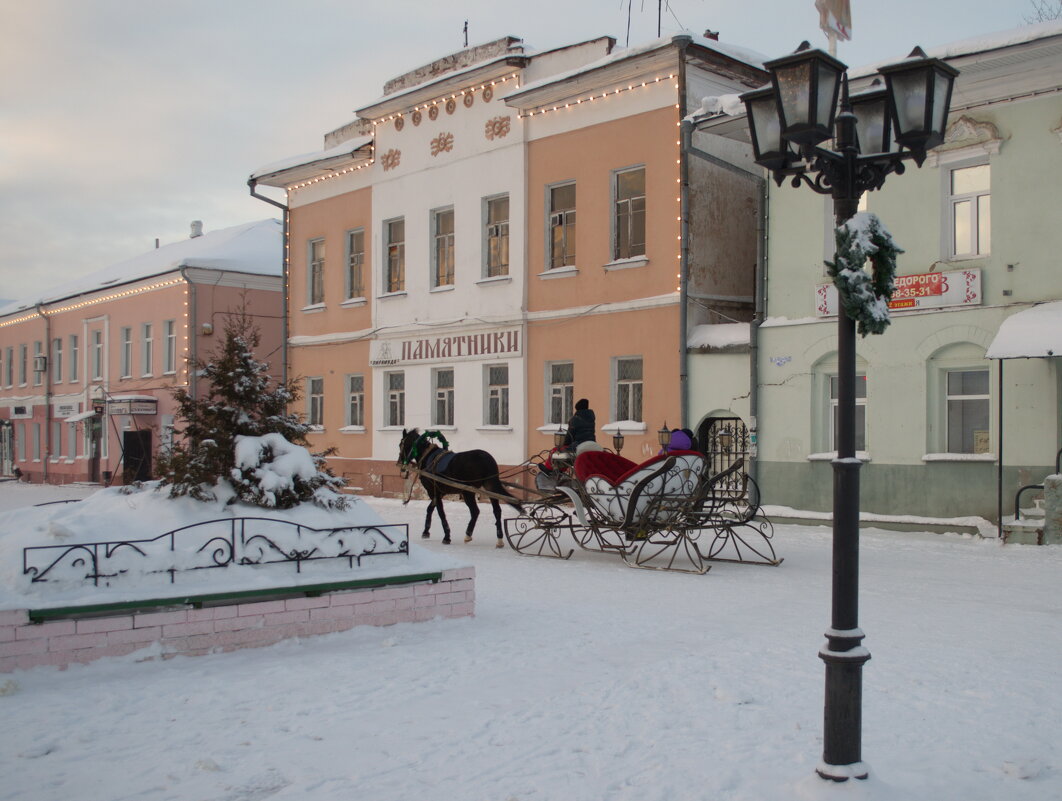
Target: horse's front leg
{"points": [[473, 513], [497, 522], [427, 519], [438, 502]]}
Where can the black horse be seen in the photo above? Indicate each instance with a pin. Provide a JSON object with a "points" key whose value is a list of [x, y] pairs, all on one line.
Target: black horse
{"points": [[469, 468]]}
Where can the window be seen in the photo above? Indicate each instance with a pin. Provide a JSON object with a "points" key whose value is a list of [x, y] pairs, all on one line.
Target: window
{"points": [[55, 447], [443, 250], [562, 226], [396, 399], [355, 400], [97, 355], [970, 205], [36, 442], [9, 365], [395, 269], [497, 249], [71, 441], [23, 359], [169, 354], [967, 411], [126, 360], [315, 275], [315, 401], [860, 412], [443, 409], [38, 363], [629, 389], [561, 392], [355, 258], [497, 394], [20, 442], [57, 359], [75, 357], [630, 214], [147, 349]]}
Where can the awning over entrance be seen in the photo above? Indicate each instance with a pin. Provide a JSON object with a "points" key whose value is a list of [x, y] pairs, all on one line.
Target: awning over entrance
{"points": [[1035, 333], [77, 418]]}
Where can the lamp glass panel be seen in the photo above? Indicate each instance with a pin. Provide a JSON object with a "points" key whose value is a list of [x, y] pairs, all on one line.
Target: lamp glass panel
{"points": [[940, 97], [827, 95], [870, 127], [768, 126], [794, 88], [909, 91]]}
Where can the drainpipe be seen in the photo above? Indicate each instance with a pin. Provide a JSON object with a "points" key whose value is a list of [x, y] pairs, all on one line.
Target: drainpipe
{"points": [[193, 333], [685, 129], [46, 352], [252, 184], [754, 329]]}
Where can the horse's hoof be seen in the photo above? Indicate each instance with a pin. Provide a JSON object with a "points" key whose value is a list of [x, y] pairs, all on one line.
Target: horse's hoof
{"points": [[468, 538], [425, 535], [446, 541], [499, 544]]}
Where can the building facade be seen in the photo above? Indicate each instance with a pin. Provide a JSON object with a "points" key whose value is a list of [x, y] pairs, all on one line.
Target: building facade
{"points": [[86, 371], [945, 429], [520, 231]]}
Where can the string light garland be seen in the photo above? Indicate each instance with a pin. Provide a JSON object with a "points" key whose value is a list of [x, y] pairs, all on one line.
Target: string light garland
{"points": [[93, 301], [594, 98]]}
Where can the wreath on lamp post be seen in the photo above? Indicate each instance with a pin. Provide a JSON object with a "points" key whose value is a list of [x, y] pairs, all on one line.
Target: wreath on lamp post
{"points": [[865, 296]]}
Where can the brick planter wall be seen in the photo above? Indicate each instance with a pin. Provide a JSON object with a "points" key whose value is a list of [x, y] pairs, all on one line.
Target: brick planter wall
{"points": [[248, 624]]}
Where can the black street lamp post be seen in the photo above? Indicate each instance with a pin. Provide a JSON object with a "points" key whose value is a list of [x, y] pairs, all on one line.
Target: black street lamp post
{"points": [[874, 133]]}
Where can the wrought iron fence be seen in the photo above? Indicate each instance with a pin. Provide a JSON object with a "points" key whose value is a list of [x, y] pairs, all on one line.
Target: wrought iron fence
{"points": [[222, 542]]}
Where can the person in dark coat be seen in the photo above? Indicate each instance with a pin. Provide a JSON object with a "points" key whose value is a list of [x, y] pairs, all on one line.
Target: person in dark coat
{"points": [[581, 426]]}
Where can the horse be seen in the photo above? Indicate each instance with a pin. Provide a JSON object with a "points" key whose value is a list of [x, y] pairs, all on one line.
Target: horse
{"points": [[471, 468]]}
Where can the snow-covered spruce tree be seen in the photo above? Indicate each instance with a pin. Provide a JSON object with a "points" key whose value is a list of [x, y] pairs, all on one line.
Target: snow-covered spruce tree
{"points": [[238, 442]]}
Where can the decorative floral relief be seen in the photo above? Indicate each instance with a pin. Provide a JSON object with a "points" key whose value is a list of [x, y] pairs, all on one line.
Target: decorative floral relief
{"points": [[469, 99], [488, 93], [444, 142], [497, 127], [400, 123], [451, 106], [417, 117], [433, 112], [391, 158]]}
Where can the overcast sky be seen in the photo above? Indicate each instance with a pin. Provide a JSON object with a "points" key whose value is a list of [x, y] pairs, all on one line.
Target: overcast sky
{"points": [[121, 121]]}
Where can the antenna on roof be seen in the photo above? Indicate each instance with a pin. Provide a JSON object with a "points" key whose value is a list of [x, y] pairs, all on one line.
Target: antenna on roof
{"points": [[466, 33]]}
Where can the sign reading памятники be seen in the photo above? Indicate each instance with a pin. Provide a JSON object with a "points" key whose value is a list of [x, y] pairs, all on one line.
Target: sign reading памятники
{"points": [[921, 291], [449, 348]]}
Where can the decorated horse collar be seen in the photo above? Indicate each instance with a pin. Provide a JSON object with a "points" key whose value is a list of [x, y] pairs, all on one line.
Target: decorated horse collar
{"points": [[423, 440]]}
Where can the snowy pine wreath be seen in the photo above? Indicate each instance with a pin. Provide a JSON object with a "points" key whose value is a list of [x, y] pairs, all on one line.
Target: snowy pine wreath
{"points": [[865, 296]]}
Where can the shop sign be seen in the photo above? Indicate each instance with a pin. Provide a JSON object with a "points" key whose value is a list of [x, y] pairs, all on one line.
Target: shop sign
{"points": [[139, 406], [921, 291], [386, 353], [66, 409]]}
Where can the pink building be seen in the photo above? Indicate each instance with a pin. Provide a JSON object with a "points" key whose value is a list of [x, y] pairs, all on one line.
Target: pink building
{"points": [[86, 370]]}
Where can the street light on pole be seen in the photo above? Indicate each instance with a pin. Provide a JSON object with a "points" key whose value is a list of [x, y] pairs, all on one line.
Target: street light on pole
{"points": [[874, 133]]}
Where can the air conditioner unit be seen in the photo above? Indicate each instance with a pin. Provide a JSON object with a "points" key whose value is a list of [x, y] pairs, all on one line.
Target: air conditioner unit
{"points": [[40, 364]]}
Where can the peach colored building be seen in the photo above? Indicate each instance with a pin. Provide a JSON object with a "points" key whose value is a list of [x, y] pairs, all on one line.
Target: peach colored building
{"points": [[86, 370], [504, 232]]}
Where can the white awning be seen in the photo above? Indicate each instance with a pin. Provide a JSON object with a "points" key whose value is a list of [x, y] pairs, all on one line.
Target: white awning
{"points": [[77, 418], [1035, 333]]}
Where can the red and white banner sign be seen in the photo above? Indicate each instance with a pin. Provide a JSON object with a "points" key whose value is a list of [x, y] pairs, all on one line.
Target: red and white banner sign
{"points": [[922, 291]]}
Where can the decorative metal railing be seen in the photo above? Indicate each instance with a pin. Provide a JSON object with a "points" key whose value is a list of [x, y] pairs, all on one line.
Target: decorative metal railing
{"points": [[223, 542]]}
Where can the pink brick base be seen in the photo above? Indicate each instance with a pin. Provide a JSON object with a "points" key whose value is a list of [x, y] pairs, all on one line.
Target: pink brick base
{"points": [[194, 631]]}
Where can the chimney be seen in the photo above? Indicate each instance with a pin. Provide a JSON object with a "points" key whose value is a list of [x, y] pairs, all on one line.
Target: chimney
{"points": [[197, 228], [710, 34]]}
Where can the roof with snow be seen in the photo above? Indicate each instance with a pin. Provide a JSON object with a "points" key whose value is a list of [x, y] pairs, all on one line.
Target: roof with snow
{"points": [[255, 247]]}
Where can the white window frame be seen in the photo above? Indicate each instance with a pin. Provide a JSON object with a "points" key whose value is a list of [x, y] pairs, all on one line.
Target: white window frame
{"points": [[23, 364], [36, 429], [985, 397], [561, 391], [355, 384], [57, 360], [628, 390], [9, 364], [442, 403], [496, 404], [315, 271], [394, 257], [125, 363], [355, 257], [38, 376], [55, 443], [495, 238], [621, 220], [71, 441], [977, 202], [169, 354], [315, 402], [75, 356], [147, 350], [564, 221], [443, 252], [832, 400], [97, 355], [395, 397]]}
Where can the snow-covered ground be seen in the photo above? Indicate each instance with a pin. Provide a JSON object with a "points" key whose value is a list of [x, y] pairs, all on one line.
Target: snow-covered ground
{"points": [[585, 680]]}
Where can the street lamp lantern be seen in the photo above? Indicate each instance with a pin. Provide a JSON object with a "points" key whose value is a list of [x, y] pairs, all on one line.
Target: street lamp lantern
{"points": [[873, 132], [559, 437], [806, 84], [663, 436], [617, 441], [919, 90]]}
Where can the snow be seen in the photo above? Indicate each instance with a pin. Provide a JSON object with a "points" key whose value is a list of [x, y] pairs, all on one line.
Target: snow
{"points": [[254, 247], [721, 335], [348, 148], [585, 680], [1035, 332]]}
